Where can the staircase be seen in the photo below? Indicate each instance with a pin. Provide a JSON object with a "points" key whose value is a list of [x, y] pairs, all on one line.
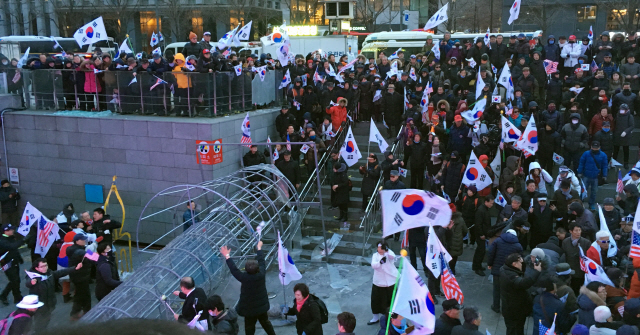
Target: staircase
{"points": [[350, 248]]}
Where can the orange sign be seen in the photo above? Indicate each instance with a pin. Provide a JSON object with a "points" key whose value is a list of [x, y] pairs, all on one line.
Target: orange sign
{"points": [[209, 152]]}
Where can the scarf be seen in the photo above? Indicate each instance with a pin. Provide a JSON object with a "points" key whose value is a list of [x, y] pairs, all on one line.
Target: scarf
{"points": [[567, 194], [574, 242], [300, 303], [435, 149]]}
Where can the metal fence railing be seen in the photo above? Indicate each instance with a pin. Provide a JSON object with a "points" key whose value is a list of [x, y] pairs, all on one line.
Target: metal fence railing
{"points": [[372, 217], [182, 93]]}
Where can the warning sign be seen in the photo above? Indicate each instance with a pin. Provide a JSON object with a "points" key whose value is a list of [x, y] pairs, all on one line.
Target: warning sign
{"points": [[209, 152]]}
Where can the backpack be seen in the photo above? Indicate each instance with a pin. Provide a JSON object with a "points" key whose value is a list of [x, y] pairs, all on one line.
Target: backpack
{"points": [[5, 324], [324, 312]]}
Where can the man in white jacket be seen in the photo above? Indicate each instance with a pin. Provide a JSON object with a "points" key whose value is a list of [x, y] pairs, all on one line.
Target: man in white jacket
{"points": [[384, 280], [566, 173], [570, 52]]}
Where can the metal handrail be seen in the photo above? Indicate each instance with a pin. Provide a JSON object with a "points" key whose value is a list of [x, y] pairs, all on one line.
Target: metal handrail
{"points": [[370, 218]]}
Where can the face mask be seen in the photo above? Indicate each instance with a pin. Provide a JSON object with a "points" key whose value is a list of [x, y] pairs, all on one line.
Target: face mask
{"points": [[626, 91], [552, 108], [574, 121], [580, 61], [595, 152], [5, 62], [551, 42], [462, 76], [414, 141], [606, 130], [622, 111], [312, 137], [571, 42]]}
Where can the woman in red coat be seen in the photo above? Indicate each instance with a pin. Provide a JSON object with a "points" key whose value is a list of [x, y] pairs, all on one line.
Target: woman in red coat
{"points": [[597, 120], [338, 113]]}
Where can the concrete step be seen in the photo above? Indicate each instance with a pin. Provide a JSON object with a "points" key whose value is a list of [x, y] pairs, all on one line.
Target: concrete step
{"points": [[330, 222], [352, 211], [343, 247], [351, 236], [337, 258]]}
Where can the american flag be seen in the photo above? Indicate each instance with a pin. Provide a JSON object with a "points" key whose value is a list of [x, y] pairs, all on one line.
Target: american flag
{"points": [[405, 240], [542, 330], [635, 245], [550, 66], [594, 66], [429, 88], [620, 185], [450, 284], [288, 143], [45, 230], [246, 130]]}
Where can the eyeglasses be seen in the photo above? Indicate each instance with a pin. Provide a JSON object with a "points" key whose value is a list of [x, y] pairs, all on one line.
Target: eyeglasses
{"points": [[604, 241]]}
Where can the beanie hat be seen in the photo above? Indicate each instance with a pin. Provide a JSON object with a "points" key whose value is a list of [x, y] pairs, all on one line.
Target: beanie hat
{"points": [[537, 252], [512, 232], [601, 314], [192, 35], [580, 330]]}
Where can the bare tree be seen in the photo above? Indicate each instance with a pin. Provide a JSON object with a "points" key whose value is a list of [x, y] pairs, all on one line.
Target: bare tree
{"points": [[178, 18], [375, 13], [120, 18], [69, 15], [624, 13]]}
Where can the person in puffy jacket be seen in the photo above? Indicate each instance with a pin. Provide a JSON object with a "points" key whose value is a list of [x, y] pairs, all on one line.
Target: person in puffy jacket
{"points": [[221, 321], [418, 154], [107, 278], [516, 301], [591, 296], [452, 172], [575, 139], [593, 166], [384, 280], [547, 307], [307, 311], [624, 125], [605, 137], [505, 245], [570, 53], [630, 203], [370, 176], [338, 113], [552, 49], [184, 84], [459, 139]]}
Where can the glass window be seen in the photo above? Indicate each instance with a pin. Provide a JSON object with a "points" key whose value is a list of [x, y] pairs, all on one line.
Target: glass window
{"points": [[268, 4], [395, 5], [587, 13], [277, 5]]}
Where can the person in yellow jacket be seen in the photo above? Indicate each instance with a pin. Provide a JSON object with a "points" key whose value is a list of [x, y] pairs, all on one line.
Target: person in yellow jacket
{"points": [[183, 82]]}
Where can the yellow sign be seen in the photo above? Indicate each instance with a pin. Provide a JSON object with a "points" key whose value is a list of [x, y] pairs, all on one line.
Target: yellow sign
{"points": [[345, 25], [300, 30]]}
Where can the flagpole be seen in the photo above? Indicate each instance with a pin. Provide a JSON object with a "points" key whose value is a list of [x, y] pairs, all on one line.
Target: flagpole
{"points": [[403, 253]]}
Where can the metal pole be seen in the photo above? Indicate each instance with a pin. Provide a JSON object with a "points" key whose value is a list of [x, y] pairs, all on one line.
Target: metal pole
{"points": [[215, 96], [230, 108], [95, 78], [55, 97], [141, 98], [243, 93], [324, 230], [189, 81], [75, 90]]}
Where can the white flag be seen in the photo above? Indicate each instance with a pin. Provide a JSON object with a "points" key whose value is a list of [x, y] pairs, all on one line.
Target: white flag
{"points": [[496, 164], [134, 80], [500, 200], [349, 151], [506, 81], [412, 74], [410, 208], [613, 248], [238, 69], [435, 250], [286, 80], [476, 174], [33, 275], [156, 51], [124, 47], [403, 172], [436, 49], [487, 39], [413, 300], [438, 18], [509, 132], [91, 32], [514, 12], [154, 39], [558, 159], [577, 90], [479, 85], [593, 270], [244, 33], [30, 216], [614, 163], [528, 141], [226, 39], [288, 270], [262, 72], [377, 96], [47, 234], [375, 136], [24, 58], [477, 111], [394, 56], [424, 102]]}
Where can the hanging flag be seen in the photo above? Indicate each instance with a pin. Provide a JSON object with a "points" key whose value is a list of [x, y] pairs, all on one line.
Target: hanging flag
{"points": [[245, 32], [413, 300], [593, 270], [286, 80], [375, 136], [620, 184], [590, 35], [435, 251], [550, 66], [506, 81], [288, 143], [134, 80], [477, 111], [91, 32], [262, 72], [47, 234], [23, 59], [406, 209], [613, 248], [377, 96], [496, 164], [30, 216], [476, 174], [160, 37], [246, 131], [403, 172], [529, 139], [487, 39], [509, 132], [558, 159], [500, 200], [449, 284], [238, 69], [438, 18], [393, 56], [412, 74], [635, 245], [436, 49], [154, 39], [226, 39], [514, 12], [288, 270], [158, 82], [349, 151], [404, 240], [479, 85]]}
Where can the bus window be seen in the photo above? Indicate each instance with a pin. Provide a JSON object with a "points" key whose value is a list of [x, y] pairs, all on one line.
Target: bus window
{"points": [[367, 54], [73, 47]]}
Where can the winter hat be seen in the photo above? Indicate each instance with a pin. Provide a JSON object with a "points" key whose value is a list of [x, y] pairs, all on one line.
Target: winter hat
{"points": [[512, 232], [601, 314], [632, 306], [627, 330], [580, 330], [472, 188], [608, 201], [537, 252], [192, 35]]}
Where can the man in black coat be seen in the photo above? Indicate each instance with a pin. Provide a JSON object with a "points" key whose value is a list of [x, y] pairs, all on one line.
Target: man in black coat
{"points": [[9, 197], [289, 168], [251, 158], [483, 224], [192, 48], [393, 106], [44, 286], [418, 154], [394, 183], [541, 219], [340, 188], [103, 226], [388, 164], [516, 303], [9, 244], [498, 52], [284, 120], [449, 318], [80, 278], [194, 300], [254, 302], [472, 319]]}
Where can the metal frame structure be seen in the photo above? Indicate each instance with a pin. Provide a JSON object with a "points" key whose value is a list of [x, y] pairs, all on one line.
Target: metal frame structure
{"points": [[235, 206]]}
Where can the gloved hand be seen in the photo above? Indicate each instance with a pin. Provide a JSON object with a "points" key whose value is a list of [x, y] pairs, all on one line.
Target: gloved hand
{"points": [[383, 260], [624, 133], [285, 309]]}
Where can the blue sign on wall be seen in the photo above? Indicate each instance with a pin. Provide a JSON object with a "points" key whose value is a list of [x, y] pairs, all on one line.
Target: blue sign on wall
{"points": [[93, 193]]}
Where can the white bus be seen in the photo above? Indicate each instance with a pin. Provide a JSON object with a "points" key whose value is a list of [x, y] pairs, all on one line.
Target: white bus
{"points": [[16, 46], [412, 42]]}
